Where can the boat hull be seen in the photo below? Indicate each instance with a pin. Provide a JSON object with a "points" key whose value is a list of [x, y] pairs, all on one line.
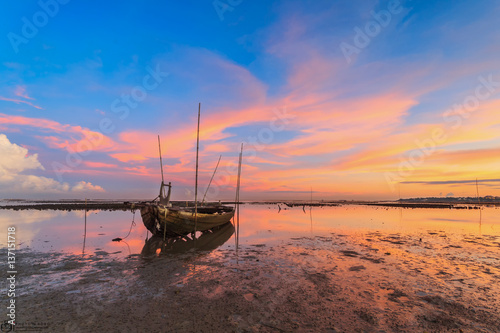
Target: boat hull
{"points": [[176, 221]]}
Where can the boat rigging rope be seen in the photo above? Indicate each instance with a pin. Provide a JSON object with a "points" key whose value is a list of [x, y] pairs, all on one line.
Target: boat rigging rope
{"points": [[131, 226]]}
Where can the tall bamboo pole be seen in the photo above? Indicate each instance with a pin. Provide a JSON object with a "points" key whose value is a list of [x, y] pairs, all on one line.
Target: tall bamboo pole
{"points": [[161, 167], [238, 198], [161, 162], [196, 177]]}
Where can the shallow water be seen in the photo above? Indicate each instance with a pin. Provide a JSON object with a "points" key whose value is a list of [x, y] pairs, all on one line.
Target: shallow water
{"points": [[394, 269], [63, 231]]}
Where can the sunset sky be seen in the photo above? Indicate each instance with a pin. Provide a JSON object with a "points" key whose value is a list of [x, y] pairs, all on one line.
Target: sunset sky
{"points": [[349, 99]]}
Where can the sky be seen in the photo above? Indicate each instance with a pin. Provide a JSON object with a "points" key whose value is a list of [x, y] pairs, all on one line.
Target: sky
{"points": [[354, 100]]}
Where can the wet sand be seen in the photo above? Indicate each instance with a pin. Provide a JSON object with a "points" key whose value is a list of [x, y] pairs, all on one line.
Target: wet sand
{"points": [[357, 282]]}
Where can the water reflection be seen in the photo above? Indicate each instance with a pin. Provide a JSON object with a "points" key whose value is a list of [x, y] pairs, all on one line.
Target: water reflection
{"points": [[208, 241], [395, 262], [61, 231]]}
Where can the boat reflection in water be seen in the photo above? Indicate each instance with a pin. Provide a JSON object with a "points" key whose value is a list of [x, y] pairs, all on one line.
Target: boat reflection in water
{"points": [[208, 241]]}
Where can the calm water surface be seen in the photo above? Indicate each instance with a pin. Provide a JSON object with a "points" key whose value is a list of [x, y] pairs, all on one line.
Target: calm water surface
{"points": [[61, 231], [403, 266]]}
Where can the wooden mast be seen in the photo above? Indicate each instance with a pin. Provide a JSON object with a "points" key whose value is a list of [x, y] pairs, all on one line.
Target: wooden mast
{"points": [[196, 177], [161, 167], [237, 198], [202, 201]]}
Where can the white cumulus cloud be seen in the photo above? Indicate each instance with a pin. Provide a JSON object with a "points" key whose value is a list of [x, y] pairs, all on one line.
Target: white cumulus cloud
{"points": [[84, 187], [15, 164], [15, 159]]}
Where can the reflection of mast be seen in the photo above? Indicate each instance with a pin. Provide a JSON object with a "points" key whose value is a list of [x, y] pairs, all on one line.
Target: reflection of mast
{"points": [[85, 229], [480, 220], [237, 207], [310, 210], [311, 218], [400, 215]]}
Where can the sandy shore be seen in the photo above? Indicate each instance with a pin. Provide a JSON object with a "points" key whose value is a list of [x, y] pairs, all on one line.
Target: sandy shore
{"points": [[371, 282]]}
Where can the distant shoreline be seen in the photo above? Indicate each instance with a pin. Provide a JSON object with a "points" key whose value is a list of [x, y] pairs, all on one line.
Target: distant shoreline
{"points": [[129, 205]]}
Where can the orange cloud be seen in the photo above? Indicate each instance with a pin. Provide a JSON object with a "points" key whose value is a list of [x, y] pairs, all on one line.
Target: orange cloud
{"points": [[180, 142], [369, 131], [124, 157], [348, 127], [386, 153]]}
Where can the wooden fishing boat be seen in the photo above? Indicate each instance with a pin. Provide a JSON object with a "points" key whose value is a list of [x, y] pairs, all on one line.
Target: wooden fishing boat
{"points": [[163, 219], [175, 221]]}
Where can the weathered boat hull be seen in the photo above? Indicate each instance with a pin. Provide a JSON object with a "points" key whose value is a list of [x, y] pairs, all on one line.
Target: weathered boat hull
{"points": [[175, 221]]}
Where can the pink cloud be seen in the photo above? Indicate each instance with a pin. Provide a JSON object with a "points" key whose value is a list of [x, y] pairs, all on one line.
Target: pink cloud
{"points": [[20, 91], [70, 138], [18, 101]]}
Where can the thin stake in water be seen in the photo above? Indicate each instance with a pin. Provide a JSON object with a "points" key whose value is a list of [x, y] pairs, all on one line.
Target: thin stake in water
{"points": [[85, 228], [237, 201], [477, 192], [310, 210], [196, 177]]}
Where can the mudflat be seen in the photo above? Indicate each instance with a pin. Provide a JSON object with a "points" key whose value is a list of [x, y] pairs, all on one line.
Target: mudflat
{"points": [[379, 281]]}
